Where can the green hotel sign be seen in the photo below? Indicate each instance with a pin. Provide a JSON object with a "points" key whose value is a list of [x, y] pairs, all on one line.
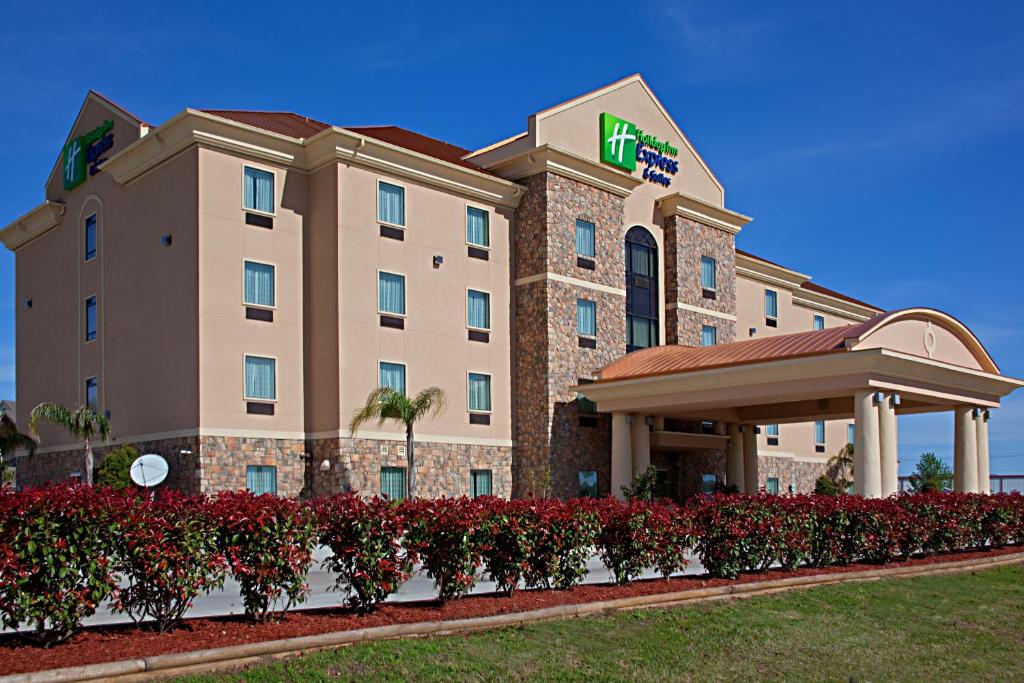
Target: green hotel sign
{"points": [[623, 145], [83, 155]]}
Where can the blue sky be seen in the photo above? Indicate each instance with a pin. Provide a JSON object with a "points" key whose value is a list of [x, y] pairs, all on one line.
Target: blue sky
{"points": [[877, 145]]}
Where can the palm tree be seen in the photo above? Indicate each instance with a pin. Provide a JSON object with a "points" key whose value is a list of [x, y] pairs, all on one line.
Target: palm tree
{"points": [[385, 403], [83, 424], [11, 440]]}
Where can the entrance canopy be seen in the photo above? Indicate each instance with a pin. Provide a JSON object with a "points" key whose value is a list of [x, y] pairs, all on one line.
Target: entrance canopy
{"points": [[929, 358]]}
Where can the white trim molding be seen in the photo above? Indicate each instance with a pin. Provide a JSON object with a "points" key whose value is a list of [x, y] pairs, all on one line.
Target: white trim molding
{"points": [[698, 309], [31, 225], [565, 279], [688, 206]]}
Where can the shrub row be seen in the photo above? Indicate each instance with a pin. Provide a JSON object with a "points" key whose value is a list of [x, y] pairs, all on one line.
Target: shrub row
{"points": [[64, 550]]}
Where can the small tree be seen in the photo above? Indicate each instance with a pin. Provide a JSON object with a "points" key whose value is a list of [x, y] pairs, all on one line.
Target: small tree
{"points": [[115, 471], [644, 486], [840, 466], [824, 486], [83, 424], [385, 403], [932, 475]]}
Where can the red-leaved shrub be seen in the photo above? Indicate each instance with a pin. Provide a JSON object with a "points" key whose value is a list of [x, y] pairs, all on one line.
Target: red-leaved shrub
{"points": [[444, 534]]}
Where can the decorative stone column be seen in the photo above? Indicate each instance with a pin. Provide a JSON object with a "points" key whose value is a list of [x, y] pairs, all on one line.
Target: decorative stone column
{"points": [[888, 444], [751, 482], [984, 479], [622, 459], [965, 450], [734, 458], [640, 443], [867, 466]]}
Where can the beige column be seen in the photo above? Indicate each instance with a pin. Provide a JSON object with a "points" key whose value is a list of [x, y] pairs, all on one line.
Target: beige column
{"points": [[888, 444], [734, 457], [965, 450], [622, 459], [750, 474], [640, 443], [867, 466], [984, 480]]}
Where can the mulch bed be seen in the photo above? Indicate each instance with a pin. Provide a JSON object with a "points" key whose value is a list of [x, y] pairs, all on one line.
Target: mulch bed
{"points": [[111, 643]]}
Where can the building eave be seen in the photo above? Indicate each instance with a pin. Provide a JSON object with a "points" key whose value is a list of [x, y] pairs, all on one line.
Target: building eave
{"points": [[33, 224], [552, 159], [688, 206]]}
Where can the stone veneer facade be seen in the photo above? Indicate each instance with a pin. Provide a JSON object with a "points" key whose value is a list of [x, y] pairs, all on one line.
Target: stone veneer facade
{"points": [[801, 474]]}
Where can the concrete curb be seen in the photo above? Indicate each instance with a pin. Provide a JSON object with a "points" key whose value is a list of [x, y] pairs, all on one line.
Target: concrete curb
{"points": [[239, 656]]}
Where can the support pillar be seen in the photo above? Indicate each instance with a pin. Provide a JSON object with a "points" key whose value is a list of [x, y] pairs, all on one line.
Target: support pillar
{"points": [[888, 444], [734, 458], [867, 466], [640, 443], [984, 478], [622, 459], [751, 482], [965, 450]]}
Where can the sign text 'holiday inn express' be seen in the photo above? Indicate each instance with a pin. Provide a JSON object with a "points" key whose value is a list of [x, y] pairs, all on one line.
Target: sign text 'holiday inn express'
{"points": [[85, 153], [624, 145]]}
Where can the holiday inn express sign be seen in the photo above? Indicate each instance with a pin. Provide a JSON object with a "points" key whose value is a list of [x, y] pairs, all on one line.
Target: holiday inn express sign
{"points": [[85, 153], [624, 145]]}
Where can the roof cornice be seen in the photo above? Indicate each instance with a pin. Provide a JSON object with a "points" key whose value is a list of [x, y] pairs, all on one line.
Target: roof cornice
{"points": [[552, 159], [830, 304], [688, 206], [769, 273], [36, 222]]}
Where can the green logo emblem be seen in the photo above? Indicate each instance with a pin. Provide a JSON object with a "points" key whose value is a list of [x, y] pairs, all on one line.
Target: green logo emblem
{"points": [[73, 163], [618, 142], [83, 155]]}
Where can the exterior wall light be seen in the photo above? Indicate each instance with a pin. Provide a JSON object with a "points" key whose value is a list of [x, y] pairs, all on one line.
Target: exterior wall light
{"points": [[895, 400], [438, 261], [166, 240]]}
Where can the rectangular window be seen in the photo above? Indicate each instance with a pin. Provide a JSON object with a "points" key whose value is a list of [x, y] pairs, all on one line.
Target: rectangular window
{"points": [[819, 433], [90, 318], [588, 484], [819, 322], [584, 238], [707, 483], [479, 393], [391, 204], [708, 335], [771, 430], [479, 483], [584, 404], [258, 284], [90, 237], [392, 483], [586, 318], [478, 227], [478, 310], [708, 276], [772, 486], [260, 479], [391, 293], [849, 433], [260, 378], [771, 304], [392, 375], [92, 393], [259, 190]]}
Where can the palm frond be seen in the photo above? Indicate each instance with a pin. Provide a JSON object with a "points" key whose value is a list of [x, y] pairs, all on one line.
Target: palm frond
{"points": [[383, 403], [54, 413], [11, 440], [430, 402]]}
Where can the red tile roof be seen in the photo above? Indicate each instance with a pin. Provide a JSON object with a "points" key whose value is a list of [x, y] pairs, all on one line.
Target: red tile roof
{"points": [[280, 122]]}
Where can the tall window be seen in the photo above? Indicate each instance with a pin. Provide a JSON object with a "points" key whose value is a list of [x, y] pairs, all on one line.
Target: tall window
{"points": [[391, 204], [392, 375], [90, 318], [478, 310], [260, 479], [258, 284], [708, 274], [392, 483], [641, 289], [479, 393], [479, 483], [708, 335], [478, 228], [772, 486], [850, 430], [588, 484], [772, 430], [391, 293], [819, 322], [259, 190], [586, 318], [92, 394], [584, 238], [707, 483], [260, 378], [819, 433], [90, 237], [771, 304]]}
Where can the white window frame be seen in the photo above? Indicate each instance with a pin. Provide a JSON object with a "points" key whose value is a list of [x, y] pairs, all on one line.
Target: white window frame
{"points": [[824, 432], [768, 434], [490, 385], [575, 225], [489, 224], [405, 204], [710, 327], [405, 293], [814, 321], [267, 169], [765, 304], [489, 311], [594, 304], [700, 274], [261, 263], [85, 318], [85, 389], [96, 235], [277, 391], [405, 371]]}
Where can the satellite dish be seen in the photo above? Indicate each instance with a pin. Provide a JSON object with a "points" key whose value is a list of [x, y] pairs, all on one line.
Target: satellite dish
{"points": [[149, 470]]}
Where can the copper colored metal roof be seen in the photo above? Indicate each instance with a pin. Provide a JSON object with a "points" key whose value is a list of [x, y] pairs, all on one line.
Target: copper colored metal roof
{"points": [[431, 147], [661, 360], [280, 122]]}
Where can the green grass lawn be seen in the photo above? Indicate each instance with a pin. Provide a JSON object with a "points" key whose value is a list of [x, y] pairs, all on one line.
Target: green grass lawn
{"points": [[967, 627]]}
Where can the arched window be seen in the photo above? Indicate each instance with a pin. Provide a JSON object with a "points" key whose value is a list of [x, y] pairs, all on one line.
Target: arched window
{"points": [[641, 289]]}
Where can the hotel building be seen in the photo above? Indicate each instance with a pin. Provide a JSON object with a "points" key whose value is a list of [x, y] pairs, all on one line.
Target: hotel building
{"points": [[229, 286]]}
